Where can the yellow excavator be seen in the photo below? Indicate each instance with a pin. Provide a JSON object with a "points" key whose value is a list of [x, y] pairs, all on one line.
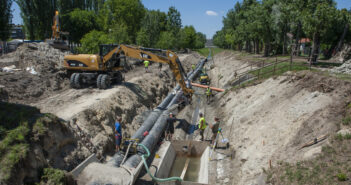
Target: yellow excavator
{"points": [[105, 68], [56, 38]]}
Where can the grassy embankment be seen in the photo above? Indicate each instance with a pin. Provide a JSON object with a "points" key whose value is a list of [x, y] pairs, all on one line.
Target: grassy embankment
{"points": [[21, 124], [205, 51]]}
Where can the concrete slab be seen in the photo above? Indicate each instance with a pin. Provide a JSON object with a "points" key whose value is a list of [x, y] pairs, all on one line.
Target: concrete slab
{"points": [[76, 171]]}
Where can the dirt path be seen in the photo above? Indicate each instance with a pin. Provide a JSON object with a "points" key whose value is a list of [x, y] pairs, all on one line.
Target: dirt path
{"points": [[68, 103]]}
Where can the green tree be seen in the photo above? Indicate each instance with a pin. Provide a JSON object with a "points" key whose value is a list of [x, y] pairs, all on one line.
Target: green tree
{"points": [[174, 22], [317, 18], [166, 41], [92, 40], [80, 22], [5, 19], [119, 34], [130, 13], [200, 40], [37, 17], [189, 39], [153, 24], [143, 38]]}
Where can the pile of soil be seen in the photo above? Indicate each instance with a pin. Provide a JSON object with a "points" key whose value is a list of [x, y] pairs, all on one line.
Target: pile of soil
{"points": [[224, 67], [343, 55], [344, 68], [39, 73]]}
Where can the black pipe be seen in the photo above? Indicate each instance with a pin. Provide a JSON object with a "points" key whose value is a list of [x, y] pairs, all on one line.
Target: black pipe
{"points": [[149, 123], [156, 131]]}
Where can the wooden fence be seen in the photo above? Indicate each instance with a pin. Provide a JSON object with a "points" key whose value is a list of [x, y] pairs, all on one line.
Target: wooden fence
{"points": [[263, 69]]}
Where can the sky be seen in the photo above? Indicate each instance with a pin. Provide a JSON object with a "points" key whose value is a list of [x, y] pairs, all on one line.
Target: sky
{"points": [[205, 15]]}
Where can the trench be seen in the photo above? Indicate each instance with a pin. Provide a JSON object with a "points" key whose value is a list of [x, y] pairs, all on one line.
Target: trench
{"points": [[130, 169]]}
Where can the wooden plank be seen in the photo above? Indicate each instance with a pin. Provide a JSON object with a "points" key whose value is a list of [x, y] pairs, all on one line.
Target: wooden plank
{"points": [[185, 168]]}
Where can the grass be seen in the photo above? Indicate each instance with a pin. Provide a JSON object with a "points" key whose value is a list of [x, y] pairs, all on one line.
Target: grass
{"points": [[205, 51], [281, 68], [346, 120]]}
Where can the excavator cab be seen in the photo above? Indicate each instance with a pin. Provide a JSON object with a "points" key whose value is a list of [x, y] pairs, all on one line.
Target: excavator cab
{"points": [[117, 59]]}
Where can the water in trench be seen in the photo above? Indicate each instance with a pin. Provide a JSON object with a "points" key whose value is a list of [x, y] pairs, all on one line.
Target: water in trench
{"points": [[192, 173]]}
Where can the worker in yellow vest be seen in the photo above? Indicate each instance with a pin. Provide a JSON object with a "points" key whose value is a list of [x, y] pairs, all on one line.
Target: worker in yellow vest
{"points": [[208, 94], [146, 63], [202, 126], [193, 67]]}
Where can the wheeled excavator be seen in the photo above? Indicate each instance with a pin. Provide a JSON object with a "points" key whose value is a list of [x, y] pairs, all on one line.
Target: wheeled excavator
{"points": [[106, 67]]}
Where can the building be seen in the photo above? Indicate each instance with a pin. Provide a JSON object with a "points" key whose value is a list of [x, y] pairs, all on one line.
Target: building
{"points": [[305, 45]]}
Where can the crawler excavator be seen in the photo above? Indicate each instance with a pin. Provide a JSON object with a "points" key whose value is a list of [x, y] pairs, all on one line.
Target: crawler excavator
{"points": [[105, 68]]}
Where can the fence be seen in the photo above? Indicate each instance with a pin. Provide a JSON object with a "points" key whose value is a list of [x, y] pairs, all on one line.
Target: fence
{"points": [[264, 69]]}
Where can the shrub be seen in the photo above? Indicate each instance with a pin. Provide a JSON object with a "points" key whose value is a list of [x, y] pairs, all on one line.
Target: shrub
{"points": [[341, 177], [53, 176]]}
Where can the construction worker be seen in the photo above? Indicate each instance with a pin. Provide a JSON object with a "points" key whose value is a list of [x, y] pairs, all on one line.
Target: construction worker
{"points": [[214, 127], [160, 66], [193, 67], [202, 126], [146, 63], [170, 127], [208, 94], [118, 133]]}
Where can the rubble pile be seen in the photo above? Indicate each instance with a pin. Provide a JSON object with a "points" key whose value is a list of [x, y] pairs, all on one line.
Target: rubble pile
{"points": [[33, 71]]}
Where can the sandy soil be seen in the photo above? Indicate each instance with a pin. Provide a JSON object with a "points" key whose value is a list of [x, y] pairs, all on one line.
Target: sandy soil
{"points": [[223, 69]]}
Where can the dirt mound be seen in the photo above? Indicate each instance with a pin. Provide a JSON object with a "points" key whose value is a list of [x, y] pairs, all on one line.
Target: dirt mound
{"points": [[343, 55], [344, 68], [39, 73], [223, 68]]}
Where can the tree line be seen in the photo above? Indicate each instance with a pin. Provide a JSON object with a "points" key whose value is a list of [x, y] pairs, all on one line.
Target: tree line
{"points": [[276, 26], [94, 22]]}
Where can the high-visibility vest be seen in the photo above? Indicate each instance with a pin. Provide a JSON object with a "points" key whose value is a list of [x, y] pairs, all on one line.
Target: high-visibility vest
{"points": [[203, 123], [193, 66], [146, 63], [209, 91]]}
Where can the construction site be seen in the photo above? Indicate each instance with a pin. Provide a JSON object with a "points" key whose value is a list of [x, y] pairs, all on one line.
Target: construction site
{"points": [[217, 114]]}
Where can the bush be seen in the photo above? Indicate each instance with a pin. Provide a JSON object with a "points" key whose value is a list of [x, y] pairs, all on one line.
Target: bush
{"points": [[341, 177], [92, 40], [53, 176]]}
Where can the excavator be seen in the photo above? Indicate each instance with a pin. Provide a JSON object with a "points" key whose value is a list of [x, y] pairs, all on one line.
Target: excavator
{"points": [[56, 38], [106, 68]]}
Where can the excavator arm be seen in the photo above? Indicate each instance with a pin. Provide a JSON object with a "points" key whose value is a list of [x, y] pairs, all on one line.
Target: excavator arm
{"points": [[169, 58]]}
